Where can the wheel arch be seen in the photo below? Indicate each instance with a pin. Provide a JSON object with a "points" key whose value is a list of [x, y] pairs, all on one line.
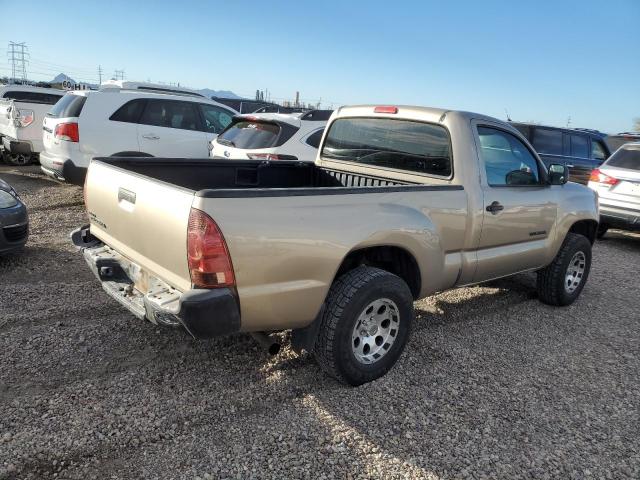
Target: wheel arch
{"points": [[587, 228], [391, 258]]}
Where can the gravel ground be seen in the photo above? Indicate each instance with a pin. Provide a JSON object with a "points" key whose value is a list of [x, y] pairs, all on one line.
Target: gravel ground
{"points": [[492, 385]]}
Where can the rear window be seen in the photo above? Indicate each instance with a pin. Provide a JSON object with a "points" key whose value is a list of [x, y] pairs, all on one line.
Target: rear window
{"points": [[250, 134], [33, 97], [68, 106], [385, 142], [625, 158]]}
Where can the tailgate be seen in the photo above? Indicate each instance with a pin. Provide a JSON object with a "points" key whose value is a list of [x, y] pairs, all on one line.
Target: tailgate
{"points": [[143, 219]]}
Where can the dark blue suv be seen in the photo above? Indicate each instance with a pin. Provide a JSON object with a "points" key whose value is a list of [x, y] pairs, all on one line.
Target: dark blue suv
{"points": [[580, 149]]}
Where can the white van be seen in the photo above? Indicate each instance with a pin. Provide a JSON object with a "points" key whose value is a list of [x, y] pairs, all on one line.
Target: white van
{"points": [[138, 120], [22, 108]]}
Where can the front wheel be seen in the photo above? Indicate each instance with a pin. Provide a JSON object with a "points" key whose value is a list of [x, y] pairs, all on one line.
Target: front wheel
{"points": [[365, 325], [561, 282]]}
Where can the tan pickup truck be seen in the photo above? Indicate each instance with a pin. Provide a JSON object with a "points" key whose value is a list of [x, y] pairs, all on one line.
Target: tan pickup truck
{"points": [[402, 202]]}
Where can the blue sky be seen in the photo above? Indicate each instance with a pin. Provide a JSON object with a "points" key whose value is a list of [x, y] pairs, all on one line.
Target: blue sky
{"points": [[543, 61]]}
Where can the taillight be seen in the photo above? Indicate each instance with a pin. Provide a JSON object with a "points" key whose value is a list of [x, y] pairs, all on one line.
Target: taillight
{"points": [[23, 118], [599, 177], [67, 131], [270, 156], [385, 109], [208, 256]]}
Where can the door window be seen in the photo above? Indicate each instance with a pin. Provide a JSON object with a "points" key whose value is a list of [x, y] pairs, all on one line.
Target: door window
{"points": [[506, 159], [547, 141], [171, 114], [579, 146], [216, 119], [598, 151]]}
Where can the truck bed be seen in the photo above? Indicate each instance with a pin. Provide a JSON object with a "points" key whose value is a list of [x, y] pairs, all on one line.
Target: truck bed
{"points": [[209, 176]]}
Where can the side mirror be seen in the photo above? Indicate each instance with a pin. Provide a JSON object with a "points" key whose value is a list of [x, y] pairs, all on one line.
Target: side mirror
{"points": [[558, 174]]}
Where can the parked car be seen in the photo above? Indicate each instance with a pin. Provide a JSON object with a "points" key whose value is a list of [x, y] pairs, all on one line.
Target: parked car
{"points": [[402, 202], [14, 220], [580, 149], [272, 136], [614, 142], [617, 182], [134, 121], [22, 109]]}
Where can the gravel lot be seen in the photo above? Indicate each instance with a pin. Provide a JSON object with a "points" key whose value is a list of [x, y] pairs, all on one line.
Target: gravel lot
{"points": [[492, 385]]}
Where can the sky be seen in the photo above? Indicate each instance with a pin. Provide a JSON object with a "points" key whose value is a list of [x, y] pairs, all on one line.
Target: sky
{"points": [[550, 62]]}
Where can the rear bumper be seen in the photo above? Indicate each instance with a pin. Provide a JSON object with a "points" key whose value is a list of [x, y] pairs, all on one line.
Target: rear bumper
{"points": [[22, 147], [203, 313], [622, 218], [62, 168]]}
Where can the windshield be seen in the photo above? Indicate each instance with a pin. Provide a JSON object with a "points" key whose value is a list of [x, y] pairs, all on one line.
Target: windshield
{"points": [[385, 142]]}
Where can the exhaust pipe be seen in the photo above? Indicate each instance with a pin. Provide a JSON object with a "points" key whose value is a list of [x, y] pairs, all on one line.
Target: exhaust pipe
{"points": [[269, 344]]}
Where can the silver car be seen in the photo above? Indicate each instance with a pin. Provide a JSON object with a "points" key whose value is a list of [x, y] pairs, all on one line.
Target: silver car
{"points": [[617, 182]]}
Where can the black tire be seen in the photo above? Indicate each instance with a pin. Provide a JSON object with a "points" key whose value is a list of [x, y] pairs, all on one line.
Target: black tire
{"points": [[551, 279], [346, 301], [602, 229]]}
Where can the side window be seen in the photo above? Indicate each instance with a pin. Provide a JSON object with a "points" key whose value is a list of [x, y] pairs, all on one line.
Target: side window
{"points": [[129, 112], [171, 114], [506, 159], [546, 140], [579, 146], [216, 119], [314, 139], [598, 151]]}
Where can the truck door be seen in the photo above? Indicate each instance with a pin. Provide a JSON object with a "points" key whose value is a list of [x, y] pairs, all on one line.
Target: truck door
{"points": [[519, 210]]}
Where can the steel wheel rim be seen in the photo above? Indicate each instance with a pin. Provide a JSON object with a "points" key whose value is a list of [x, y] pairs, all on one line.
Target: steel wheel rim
{"points": [[375, 331], [575, 272]]}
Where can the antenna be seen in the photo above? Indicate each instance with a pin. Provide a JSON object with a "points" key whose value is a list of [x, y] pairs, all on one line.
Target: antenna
{"points": [[508, 117], [568, 121]]}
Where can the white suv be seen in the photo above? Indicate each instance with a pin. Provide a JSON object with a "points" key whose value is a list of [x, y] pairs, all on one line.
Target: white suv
{"points": [[138, 120], [272, 136]]}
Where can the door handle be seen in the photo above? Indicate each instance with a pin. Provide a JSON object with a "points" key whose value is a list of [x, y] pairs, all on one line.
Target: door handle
{"points": [[150, 136], [495, 207]]}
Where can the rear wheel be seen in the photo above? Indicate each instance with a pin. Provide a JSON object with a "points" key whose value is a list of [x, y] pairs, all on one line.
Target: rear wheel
{"points": [[365, 325], [561, 282]]}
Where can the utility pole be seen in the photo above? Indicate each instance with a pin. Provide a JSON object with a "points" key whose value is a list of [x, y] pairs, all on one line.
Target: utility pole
{"points": [[99, 75], [118, 74], [17, 54]]}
